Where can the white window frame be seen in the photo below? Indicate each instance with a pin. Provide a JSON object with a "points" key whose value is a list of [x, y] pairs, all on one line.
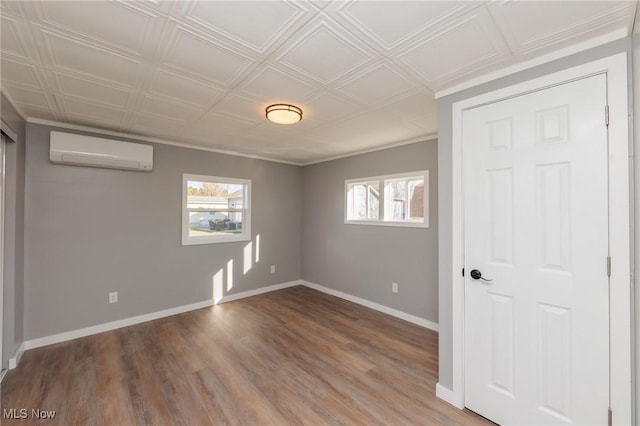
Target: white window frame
{"points": [[380, 221], [245, 235]]}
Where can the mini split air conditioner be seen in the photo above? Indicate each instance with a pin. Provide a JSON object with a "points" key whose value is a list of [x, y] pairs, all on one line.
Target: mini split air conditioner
{"points": [[79, 150]]}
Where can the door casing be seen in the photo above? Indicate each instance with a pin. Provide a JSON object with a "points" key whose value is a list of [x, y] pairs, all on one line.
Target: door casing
{"points": [[3, 150], [621, 380]]}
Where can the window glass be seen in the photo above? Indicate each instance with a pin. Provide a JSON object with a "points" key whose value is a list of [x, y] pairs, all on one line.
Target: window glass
{"points": [[215, 209], [394, 200], [364, 201]]}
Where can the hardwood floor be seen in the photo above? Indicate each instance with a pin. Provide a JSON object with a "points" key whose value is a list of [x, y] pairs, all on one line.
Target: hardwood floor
{"points": [[295, 356]]}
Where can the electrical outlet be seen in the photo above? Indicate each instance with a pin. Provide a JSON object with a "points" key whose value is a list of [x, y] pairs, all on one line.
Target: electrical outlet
{"points": [[113, 297], [273, 269], [394, 287]]}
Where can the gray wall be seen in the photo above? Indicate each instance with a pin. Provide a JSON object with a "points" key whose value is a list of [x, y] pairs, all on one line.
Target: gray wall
{"points": [[13, 290], [363, 260], [445, 185], [90, 231]]}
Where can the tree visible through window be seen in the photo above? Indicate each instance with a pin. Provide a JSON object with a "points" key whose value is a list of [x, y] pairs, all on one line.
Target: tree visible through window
{"points": [[400, 199]]}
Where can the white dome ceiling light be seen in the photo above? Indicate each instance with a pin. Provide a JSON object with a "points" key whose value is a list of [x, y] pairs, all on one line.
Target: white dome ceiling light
{"points": [[283, 114]]}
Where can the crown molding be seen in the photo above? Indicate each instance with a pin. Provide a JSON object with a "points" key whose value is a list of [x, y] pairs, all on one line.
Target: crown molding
{"points": [[512, 69], [423, 138]]}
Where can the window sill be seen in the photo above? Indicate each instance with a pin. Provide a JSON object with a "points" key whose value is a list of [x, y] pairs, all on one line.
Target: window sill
{"points": [[193, 241], [384, 223]]}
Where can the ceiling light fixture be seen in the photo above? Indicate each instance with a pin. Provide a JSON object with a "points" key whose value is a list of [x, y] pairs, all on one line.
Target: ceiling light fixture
{"points": [[283, 113]]}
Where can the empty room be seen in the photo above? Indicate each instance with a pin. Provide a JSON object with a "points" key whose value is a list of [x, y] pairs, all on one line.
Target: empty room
{"points": [[284, 212]]}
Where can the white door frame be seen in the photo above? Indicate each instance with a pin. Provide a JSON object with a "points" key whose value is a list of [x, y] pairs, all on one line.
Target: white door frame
{"points": [[3, 190], [619, 217]]}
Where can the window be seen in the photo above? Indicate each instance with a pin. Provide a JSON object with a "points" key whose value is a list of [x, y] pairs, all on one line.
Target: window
{"points": [[215, 209], [393, 200]]}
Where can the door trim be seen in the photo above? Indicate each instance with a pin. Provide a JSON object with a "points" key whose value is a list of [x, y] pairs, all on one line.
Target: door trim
{"points": [[3, 191], [619, 216]]}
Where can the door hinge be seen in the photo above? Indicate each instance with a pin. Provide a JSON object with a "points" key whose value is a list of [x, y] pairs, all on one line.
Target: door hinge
{"points": [[609, 266], [606, 115], [463, 272], [610, 417]]}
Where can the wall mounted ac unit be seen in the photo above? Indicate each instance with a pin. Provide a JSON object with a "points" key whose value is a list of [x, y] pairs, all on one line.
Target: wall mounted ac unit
{"points": [[80, 150]]}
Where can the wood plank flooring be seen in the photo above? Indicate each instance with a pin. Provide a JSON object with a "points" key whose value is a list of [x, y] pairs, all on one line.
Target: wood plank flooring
{"points": [[295, 356]]}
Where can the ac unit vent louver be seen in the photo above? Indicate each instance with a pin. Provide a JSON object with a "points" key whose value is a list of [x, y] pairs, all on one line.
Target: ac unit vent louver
{"points": [[89, 151]]}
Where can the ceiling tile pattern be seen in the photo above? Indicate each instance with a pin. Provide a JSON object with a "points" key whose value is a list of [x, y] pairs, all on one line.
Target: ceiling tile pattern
{"points": [[86, 20], [377, 85], [324, 54], [185, 89], [474, 35], [254, 24], [388, 24], [193, 54], [526, 26], [270, 83], [201, 72]]}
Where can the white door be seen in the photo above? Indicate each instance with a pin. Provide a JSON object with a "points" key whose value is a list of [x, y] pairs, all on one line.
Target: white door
{"points": [[536, 225]]}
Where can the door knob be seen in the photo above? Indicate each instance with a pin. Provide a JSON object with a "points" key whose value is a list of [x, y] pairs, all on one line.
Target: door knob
{"points": [[477, 275]]}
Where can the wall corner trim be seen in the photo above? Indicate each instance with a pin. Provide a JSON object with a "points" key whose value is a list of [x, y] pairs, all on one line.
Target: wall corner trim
{"points": [[8, 130], [15, 360], [449, 396], [375, 306]]}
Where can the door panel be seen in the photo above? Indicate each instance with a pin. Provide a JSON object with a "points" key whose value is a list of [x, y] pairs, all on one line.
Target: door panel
{"points": [[553, 216], [501, 216], [502, 343], [554, 353], [536, 225]]}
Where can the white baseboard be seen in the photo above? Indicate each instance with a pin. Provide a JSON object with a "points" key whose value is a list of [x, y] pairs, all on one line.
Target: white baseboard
{"points": [[101, 328], [385, 309], [449, 396], [13, 362], [232, 297]]}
